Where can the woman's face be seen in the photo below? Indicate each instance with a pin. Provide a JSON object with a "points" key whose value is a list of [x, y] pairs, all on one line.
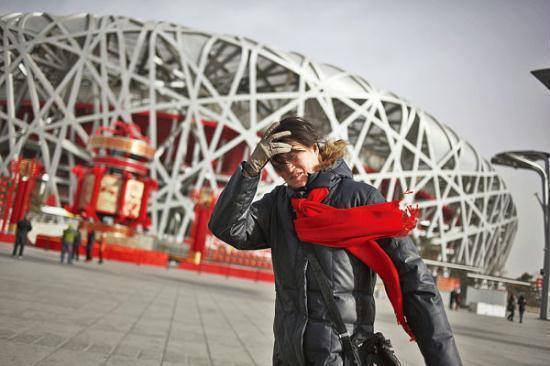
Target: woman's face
{"points": [[295, 165]]}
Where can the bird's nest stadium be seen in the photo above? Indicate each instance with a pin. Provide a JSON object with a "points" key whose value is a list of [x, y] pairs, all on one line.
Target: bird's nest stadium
{"points": [[203, 99]]}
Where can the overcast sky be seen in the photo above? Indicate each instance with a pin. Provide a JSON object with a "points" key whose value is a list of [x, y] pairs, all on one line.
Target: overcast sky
{"points": [[467, 63]]}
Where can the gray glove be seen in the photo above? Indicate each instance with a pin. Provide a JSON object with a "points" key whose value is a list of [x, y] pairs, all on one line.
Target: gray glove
{"points": [[267, 148]]}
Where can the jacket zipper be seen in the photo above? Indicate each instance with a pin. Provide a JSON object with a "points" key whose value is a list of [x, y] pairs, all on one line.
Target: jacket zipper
{"points": [[307, 317]]}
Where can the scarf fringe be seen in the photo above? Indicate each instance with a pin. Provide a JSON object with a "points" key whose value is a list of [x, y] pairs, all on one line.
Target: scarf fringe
{"points": [[403, 323]]}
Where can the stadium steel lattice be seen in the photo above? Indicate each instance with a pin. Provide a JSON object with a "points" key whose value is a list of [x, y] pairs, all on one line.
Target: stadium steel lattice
{"points": [[202, 99]]}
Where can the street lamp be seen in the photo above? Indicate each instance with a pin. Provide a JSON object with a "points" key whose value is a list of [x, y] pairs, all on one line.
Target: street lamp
{"points": [[528, 160], [543, 75]]}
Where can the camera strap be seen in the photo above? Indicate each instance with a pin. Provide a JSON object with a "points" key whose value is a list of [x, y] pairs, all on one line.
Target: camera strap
{"points": [[345, 338]]}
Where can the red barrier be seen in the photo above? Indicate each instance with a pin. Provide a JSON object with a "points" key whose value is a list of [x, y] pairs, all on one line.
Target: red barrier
{"points": [[156, 258], [221, 253], [229, 271], [112, 252], [7, 238]]}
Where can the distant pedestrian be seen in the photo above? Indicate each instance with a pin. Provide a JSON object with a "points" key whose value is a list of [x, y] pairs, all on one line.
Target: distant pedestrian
{"points": [[67, 241], [452, 299], [458, 299], [511, 307], [23, 228], [90, 243], [102, 246], [522, 302], [76, 244]]}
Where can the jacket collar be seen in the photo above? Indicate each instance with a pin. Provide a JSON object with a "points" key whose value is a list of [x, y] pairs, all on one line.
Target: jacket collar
{"points": [[328, 178]]}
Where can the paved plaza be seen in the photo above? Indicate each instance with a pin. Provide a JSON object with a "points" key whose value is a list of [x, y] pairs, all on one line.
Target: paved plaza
{"points": [[124, 314]]}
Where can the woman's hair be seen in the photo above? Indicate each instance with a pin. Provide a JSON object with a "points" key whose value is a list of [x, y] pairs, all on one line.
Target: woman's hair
{"points": [[306, 134]]}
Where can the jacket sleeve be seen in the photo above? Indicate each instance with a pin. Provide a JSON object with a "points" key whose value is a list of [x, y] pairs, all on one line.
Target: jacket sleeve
{"points": [[422, 302], [236, 220]]}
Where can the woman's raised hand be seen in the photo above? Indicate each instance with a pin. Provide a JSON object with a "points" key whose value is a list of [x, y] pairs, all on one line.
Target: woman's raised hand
{"points": [[268, 147]]}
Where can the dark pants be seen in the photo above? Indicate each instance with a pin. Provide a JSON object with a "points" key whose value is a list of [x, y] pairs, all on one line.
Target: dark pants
{"points": [[66, 248], [89, 246], [521, 316], [19, 243], [511, 316], [76, 249]]}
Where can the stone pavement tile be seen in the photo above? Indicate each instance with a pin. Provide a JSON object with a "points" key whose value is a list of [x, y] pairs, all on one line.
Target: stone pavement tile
{"points": [[145, 340], [151, 354], [509, 352], [537, 360], [175, 356], [159, 313], [266, 360], [182, 333], [36, 316], [6, 333], [51, 340], [81, 319], [127, 361], [101, 336], [197, 361], [130, 309], [128, 350], [231, 362], [55, 327], [192, 349], [228, 339], [16, 324], [76, 344], [229, 353], [261, 354], [26, 338], [41, 310], [10, 306], [102, 348], [15, 354], [505, 358], [189, 315], [151, 328], [69, 357], [106, 326], [258, 340], [142, 347], [115, 323], [98, 306]]}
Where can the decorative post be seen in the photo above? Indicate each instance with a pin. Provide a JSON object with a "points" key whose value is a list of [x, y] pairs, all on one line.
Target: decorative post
{"points": [[98, 172], [14, 165], [80, 172]]}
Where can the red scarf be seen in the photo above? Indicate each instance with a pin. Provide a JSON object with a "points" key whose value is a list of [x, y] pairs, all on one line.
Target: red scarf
{"points": [[356, 229]]}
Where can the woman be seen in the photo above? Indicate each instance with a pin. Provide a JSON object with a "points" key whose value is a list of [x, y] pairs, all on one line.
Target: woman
{"points": [[21, 233], [303, 330]]}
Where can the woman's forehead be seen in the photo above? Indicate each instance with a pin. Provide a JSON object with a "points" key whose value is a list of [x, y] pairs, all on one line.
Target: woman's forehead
{"points": [[296, 146]]}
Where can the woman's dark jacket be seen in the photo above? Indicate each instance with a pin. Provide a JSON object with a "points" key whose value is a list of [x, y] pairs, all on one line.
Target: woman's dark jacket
{"points": [[302, 327]]}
